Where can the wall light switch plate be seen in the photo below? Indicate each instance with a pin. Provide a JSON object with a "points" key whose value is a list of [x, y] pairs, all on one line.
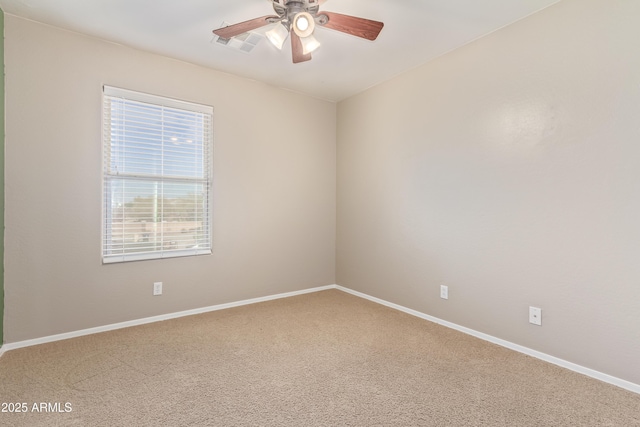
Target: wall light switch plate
{"points": [[444, 292], [535, 316], [157, 288]]}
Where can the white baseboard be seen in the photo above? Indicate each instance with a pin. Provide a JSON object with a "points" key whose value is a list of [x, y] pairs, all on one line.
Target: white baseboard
{"points": [[627, 385], [27, 343]]}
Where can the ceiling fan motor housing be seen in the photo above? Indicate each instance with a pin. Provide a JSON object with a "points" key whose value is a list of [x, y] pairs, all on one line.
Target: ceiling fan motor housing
{"points": [[288, 9]]}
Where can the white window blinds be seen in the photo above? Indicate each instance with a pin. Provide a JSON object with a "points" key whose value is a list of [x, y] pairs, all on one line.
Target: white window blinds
{"points": [[157, 177]]}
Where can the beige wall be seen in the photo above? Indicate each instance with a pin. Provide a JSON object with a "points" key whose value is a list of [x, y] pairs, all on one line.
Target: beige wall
{"points": [[273, 195], [508, 170]]}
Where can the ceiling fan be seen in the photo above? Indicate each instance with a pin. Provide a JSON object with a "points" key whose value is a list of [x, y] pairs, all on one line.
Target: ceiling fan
{"points": [[298, 18]]}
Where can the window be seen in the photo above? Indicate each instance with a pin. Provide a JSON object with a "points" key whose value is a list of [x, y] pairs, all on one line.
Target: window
{"points": [[157, 177]]}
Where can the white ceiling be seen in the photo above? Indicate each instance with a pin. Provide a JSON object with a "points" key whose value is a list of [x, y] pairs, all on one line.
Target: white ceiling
{"points": [[415, 32]]}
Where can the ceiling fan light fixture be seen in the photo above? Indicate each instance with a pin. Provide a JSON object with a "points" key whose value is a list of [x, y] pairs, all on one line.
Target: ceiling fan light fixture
{"points": [[277, 35], [296, 20], [303, 24], [309, 44]]}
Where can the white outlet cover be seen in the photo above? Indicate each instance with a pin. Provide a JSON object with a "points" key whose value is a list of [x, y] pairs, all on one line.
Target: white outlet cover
{"points": [[157, 288], [444, 292], [535, 316]]}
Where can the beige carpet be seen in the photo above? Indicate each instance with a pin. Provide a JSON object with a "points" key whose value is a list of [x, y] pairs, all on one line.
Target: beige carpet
{"points": [[322, 359]]}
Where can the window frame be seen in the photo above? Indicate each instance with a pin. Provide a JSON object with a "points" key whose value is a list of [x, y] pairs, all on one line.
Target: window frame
{"points": [[110, 92]]}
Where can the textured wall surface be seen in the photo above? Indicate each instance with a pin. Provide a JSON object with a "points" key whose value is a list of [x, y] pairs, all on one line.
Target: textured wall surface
{"points": [[508, 170], [273, 191], [2, 179]]}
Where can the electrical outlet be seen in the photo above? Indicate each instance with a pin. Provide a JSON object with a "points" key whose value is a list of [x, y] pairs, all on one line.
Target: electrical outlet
{"points": [[157, 288], [535, 316], [444, 292]]}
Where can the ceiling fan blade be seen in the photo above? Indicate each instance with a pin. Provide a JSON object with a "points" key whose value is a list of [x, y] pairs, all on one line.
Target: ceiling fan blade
{"points": [[243, 27], [296, 49], [359, 27]]}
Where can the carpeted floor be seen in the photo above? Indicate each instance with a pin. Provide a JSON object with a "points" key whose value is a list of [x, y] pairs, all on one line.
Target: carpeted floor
{"points": [[320, 359]]}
